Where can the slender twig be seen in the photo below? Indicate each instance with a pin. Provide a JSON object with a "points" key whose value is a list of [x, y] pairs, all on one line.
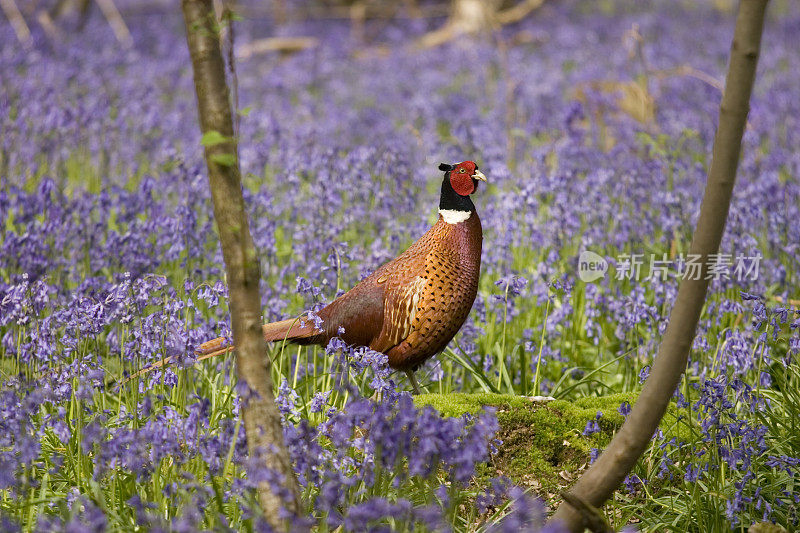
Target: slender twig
{"points": [[14, 16], [48, 25], [117, 23], [518, 11], [276, 44], [227, 18]]}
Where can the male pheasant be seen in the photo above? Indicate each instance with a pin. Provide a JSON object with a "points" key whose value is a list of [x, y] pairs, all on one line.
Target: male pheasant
{"points": [[411, 307]]}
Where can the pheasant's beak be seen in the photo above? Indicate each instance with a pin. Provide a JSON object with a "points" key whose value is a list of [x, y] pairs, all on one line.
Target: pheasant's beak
{"points": [[479, 176]]}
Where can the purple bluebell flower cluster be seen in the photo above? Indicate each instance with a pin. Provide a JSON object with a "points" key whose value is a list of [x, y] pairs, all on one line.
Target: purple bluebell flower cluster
{"points": [[595, 129]]}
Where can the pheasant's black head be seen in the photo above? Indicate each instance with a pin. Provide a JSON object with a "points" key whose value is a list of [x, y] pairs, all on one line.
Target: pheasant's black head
{"points": [[460, 181]]}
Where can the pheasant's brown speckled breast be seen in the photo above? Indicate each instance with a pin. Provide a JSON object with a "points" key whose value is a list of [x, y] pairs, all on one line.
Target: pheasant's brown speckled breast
{"points": [[447, 284]]}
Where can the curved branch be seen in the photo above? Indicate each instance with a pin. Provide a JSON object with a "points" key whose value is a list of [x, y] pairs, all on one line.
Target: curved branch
{"points": [[518, 12], [600, 481]]}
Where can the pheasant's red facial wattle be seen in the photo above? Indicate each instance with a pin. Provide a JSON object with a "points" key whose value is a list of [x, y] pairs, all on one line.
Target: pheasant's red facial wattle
{"points": [[460, 181], [461, 178]]}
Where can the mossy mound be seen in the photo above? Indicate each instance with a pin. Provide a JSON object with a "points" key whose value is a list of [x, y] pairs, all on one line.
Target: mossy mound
{"points": [[543, 446]]}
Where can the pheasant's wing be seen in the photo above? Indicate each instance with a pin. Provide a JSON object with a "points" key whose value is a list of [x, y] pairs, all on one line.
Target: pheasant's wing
{"points": [[403, 283], [401, 301], [419, 307], [380, 311], [363, 311], [441, 309]]}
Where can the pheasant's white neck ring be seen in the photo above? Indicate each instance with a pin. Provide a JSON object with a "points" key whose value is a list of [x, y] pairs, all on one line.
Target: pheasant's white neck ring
{"points": [[451, 216]]}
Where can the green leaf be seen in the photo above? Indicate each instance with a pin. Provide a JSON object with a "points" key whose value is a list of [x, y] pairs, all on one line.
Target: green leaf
{"points": [[213, 138], [226, 160], [245, 111], [479, 376]]}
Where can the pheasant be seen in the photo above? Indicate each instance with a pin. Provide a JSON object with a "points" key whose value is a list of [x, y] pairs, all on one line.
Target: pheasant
{"points": [[411, 307]]}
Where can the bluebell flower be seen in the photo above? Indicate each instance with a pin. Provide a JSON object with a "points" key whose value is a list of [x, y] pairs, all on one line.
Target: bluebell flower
{"points": [[592, 425]]}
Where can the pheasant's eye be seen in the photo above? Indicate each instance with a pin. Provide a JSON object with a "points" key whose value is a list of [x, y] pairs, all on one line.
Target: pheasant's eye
{"points": [[462, 171]]}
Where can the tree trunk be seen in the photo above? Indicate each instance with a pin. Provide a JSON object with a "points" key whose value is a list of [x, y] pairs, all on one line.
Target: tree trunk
{"points": [[261, 418], [600, 481]]}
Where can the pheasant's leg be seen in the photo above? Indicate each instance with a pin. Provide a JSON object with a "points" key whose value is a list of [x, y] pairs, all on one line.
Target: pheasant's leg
{"points": [[413, 380]]}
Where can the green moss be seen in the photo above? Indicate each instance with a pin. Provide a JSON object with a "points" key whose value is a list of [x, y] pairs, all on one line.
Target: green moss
{"points": [[459, 403], [543, 446]]}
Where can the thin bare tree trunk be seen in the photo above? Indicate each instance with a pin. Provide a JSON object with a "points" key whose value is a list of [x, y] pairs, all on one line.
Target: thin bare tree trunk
{"points": [[600, 481], [261, 418]]}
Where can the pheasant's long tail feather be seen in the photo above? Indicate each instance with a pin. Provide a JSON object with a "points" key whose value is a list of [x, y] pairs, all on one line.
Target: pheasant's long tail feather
{"points": [[213, 346], [289, 330], [292, 330], [169, 360]]}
